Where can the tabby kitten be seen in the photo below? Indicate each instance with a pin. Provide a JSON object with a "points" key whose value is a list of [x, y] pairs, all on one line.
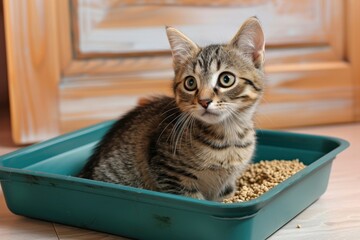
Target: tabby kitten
{"points": [[197, 143]]}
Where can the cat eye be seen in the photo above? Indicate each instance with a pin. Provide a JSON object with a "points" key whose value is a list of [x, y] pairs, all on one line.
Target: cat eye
{"points": [[190, 83], [226, 79]]}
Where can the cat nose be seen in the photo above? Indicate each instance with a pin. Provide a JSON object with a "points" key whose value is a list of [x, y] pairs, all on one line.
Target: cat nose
{"points": [[205, 102]]}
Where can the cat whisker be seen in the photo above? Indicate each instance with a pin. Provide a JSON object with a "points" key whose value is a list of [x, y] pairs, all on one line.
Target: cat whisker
{"points": [[235, 114], [162, 132], [179, 129], [175, 119], [171, 109], [191, 128]]}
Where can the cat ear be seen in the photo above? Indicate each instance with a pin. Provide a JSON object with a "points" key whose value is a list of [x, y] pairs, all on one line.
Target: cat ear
{"points": [[182, 47], [250, 41]]}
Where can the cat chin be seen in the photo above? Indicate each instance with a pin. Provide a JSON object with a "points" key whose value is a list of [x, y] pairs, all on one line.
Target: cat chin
{"points": [[210, 118]]}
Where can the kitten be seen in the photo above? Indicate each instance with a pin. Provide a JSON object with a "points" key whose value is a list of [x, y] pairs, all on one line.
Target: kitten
{"points": [[197, 143]]}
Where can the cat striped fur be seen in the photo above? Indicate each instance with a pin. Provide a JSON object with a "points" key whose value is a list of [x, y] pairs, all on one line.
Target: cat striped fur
{"points": [[198, 142]]}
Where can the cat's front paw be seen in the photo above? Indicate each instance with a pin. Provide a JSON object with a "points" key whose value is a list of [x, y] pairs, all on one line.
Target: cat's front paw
{"points": [[197, 195], [227, 192]]}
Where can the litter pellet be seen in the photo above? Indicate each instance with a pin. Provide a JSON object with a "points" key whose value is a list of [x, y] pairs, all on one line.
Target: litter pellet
{"points": [[298, 226], [260, 177]]}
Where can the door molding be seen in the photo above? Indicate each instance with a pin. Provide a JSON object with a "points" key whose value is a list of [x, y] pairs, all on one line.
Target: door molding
{"points": [[33, 69]]}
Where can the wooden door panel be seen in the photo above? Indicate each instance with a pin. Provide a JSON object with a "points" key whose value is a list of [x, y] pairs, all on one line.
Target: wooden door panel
{"points": [[33, 69], [294, 96], [90, 60], [307, 95], [103, 28], [121, 45]]}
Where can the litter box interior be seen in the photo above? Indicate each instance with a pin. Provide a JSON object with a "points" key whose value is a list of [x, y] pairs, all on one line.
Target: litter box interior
{"points": [[68, 156]]}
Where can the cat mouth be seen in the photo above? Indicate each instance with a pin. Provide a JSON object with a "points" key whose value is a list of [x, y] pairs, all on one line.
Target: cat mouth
{"points": [[208, 113], [210, 116]]}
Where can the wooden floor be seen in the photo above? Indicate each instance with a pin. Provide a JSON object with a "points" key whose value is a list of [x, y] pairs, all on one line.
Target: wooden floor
{"points": [[336, 215]]}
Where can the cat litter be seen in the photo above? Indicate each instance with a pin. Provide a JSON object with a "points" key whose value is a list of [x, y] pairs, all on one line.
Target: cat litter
{"points": [[260, 177]]}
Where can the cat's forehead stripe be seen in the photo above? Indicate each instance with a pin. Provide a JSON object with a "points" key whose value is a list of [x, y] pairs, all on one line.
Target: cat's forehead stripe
{"points": [[194, 66], [218, 65], [200, 63], [207, 57]]}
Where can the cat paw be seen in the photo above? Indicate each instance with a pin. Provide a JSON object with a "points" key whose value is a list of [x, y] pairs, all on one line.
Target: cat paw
{"points": [[197, 195], [227, 192]]}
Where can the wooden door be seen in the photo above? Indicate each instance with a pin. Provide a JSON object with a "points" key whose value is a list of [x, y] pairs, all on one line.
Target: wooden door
{"points": [[76, 63]]}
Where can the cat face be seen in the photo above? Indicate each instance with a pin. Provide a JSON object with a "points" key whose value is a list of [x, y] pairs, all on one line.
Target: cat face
{"points": [[219, 82], [216, 84]]}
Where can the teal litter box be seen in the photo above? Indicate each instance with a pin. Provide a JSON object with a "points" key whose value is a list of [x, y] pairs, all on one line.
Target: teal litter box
{"points": [[38, 182]]}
